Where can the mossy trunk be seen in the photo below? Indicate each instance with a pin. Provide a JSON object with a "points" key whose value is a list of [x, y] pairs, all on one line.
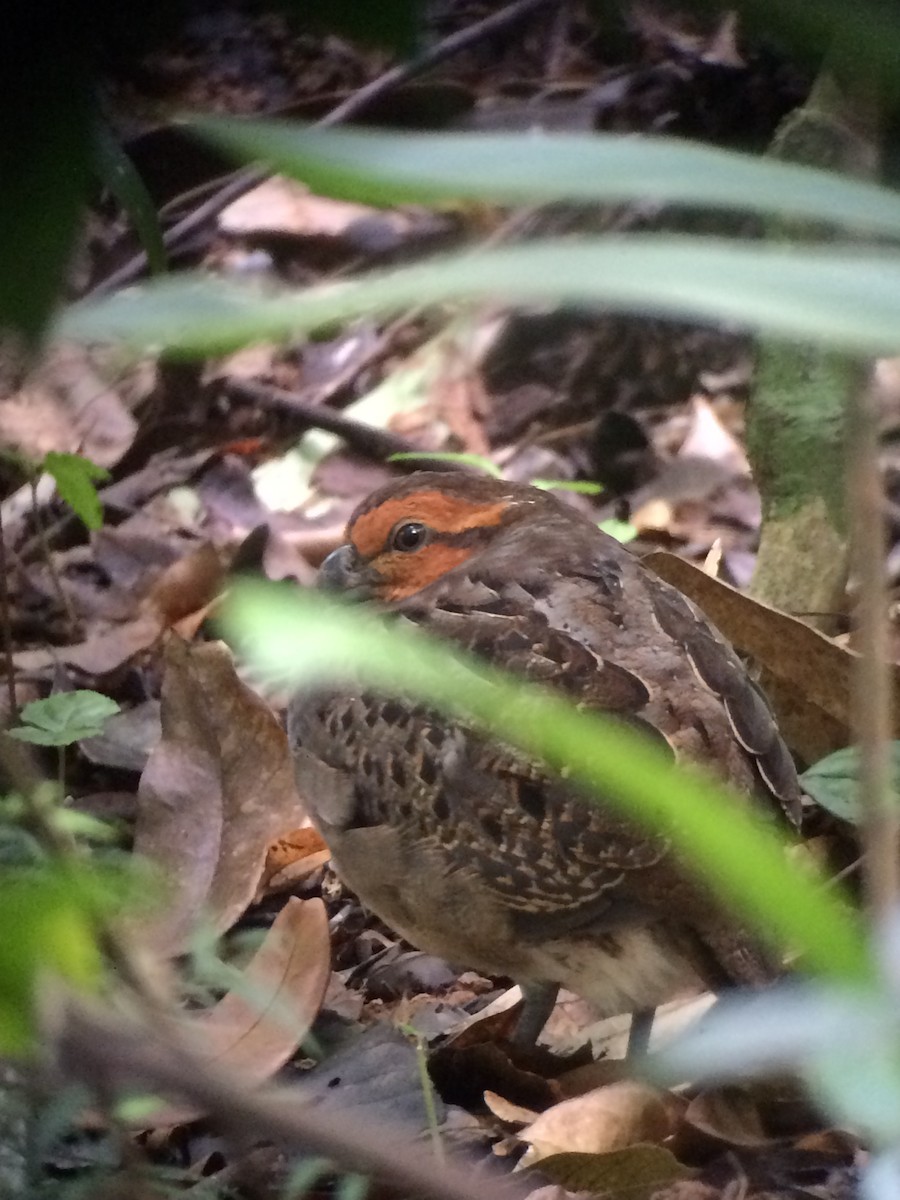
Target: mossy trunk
{"points": [[798, 421]]}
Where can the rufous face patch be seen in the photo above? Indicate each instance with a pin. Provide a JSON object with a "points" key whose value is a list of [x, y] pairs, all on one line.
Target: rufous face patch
{"points": [[444, 514]]}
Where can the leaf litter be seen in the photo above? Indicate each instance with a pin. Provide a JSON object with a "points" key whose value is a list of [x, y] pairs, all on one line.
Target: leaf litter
{"points": [[217, 806]]}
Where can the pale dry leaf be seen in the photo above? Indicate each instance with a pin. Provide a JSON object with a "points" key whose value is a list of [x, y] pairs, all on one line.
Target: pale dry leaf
{"points": [[68, 404], [291, 858], [728, 1115], [609, 1118], [284, 206], [707, 437], [257, 1027], [217, 790], [639, 1172], [101, 652], [504, 1110], [807, 676]]}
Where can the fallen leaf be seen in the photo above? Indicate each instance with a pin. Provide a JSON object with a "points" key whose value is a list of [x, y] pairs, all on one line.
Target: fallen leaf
{"points": [[99, 654], [217, 790], [707, 437], [726, 1115], [254, 1030], [636, 1172], [609, 1118], [507, 1112], [182, 590], [291, 857], [807, 676], [188, 584], [257, 1027]]}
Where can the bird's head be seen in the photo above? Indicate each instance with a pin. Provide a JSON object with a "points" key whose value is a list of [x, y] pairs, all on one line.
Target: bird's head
{"points": [[411, 532]]}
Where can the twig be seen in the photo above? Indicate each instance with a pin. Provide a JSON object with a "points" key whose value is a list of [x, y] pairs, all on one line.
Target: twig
{"points": [[6, 623], [241, 182], [103, 1052], [377, 443], [47, 553], [873, 692]]}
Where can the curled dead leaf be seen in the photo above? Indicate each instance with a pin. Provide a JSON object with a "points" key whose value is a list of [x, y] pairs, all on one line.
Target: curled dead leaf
{"points": [[291, 857], [256, 1028], [217, 790], [609, 1118]]}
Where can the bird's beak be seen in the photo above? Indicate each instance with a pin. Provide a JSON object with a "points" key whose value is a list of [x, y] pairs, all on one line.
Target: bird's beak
{"points": [[344, 571]]}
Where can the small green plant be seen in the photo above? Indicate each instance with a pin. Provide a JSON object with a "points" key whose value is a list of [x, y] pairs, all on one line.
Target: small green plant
{"points": [[63, 719], [74, 477]]}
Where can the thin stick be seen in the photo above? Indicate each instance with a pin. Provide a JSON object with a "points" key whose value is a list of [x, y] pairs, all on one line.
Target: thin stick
{"points": [[241, 182], [6, 623], [366, 439], [873, 692]]}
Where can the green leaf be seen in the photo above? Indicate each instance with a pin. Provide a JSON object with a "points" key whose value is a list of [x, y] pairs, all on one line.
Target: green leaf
{"points": [[309, 641], [838, 298], [833, 782], [583, 486], [118, 173], [397, 168], [478, 461], [64, 718], [392, 24], [44, 164], [622, 531], [74, 477], [48, 926]]}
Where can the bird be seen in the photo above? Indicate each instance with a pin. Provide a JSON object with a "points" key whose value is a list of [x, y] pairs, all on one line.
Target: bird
{"points": [[469, 848]]}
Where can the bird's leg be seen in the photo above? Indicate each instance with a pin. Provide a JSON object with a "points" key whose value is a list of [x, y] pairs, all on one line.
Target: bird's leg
{"points": [[639, 1033], [539, 999]]}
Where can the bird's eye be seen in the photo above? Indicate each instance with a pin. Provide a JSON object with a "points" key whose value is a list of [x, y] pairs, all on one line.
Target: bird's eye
{"points": [[409, 536]]}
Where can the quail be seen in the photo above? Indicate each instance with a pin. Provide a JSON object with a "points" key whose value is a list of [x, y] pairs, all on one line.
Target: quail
{"points": [[475, 852]]}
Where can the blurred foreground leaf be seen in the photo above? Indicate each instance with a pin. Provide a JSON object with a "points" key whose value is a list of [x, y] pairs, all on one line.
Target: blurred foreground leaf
{"points": [[48, 928], [309, 641], [836, 297], [400, 168]]}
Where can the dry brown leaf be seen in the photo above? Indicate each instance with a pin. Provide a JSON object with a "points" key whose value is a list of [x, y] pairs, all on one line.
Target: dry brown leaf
{"points": [[217, 790], [726, 1115], [504, 1110], [102, 652], [255, 1029], [637, 1172], [608, 1118], [707, 437], [283, 206], [181, 593], [291, 858], [188, 584], [807, 676]]}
